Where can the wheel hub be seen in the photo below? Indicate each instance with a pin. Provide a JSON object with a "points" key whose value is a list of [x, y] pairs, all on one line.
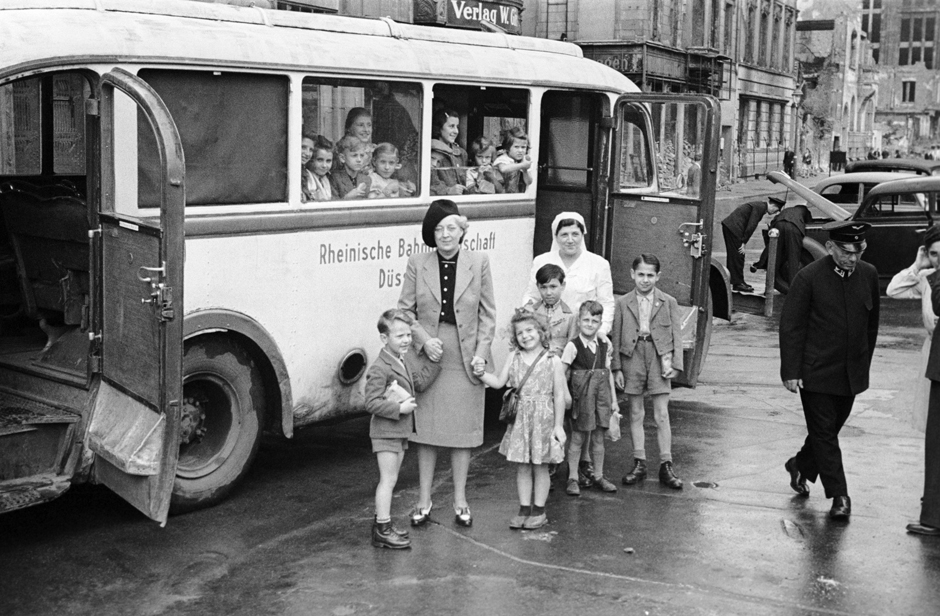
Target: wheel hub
{"points": [[192, 422]]}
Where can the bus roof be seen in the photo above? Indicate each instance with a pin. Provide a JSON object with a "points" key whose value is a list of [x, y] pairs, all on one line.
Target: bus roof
{"points": [[36, 34]]}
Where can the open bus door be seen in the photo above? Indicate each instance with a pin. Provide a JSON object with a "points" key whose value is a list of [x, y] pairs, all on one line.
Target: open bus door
{"points": [[662, 201], [135, 415]]}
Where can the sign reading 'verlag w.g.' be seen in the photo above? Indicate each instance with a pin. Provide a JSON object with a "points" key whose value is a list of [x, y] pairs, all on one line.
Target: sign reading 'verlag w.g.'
{"points": [[470, 14]]}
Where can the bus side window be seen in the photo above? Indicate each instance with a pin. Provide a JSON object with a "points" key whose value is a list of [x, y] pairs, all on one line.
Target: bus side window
{"points": [[234, 132], [491, 152], [373, 126]]}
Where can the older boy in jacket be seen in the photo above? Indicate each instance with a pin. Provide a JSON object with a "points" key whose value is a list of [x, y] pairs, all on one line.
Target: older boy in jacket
{"points": [[647, 354]]}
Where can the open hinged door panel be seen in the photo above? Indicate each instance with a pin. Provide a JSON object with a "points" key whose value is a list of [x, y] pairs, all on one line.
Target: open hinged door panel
{"points": [[662, 200], [134, 426]]}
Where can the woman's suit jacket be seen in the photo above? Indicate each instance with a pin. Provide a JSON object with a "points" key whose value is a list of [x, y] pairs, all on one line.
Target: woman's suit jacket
{"points": [[474, 304]]}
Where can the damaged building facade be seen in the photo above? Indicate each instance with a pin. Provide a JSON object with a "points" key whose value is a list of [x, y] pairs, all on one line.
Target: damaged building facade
{"points": [[904, 37], [741, 51], [839, 85]]}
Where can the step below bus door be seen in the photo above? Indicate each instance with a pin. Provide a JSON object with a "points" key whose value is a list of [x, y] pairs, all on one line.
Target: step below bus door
{"points": [[661, 201], [134, 425]]}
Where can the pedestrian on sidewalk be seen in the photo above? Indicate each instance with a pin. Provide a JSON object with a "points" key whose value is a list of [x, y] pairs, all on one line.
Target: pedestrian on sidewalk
{"points": [[390, 399], [586, 359], [647, 339], [536, 437], [929, 523], [828, 330], [737, 228]]}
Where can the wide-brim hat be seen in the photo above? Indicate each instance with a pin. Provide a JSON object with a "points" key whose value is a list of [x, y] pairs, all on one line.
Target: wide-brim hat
{"points": [[439, 210], [847, 232]]}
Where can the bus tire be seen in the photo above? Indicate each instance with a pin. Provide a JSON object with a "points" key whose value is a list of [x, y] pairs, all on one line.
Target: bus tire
{"points": [[223, 409]]}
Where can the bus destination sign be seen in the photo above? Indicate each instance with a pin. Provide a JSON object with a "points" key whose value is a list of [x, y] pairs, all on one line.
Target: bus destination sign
{"points": [[470, 13]]}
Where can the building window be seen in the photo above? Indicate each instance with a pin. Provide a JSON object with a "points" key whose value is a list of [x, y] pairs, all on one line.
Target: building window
{"points": [[729, 28], [917, 40], [763, 38], [871, 23], [749, 34], [907, 91]]}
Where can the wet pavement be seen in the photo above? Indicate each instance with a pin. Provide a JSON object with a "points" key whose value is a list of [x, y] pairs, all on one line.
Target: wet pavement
{"points": [[294, 539]]}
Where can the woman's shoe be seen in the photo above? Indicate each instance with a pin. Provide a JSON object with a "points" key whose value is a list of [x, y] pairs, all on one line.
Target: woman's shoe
{"points": [[535, 521], [420, 517], [462, 516], [517, 522]]}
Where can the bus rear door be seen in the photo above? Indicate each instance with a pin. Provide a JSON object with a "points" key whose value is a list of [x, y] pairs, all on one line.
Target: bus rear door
{"points": [[136, 403], [662, 200]]}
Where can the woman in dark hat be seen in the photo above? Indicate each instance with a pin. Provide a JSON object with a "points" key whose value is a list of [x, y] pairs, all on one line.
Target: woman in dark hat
{"points": [[449, 292]]}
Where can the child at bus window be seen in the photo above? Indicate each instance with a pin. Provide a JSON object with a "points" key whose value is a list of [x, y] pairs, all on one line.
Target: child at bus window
{"points": [[350, 182], [513, 164], [587, 360], [382, 180], [389, 398], [448, 159], [359, 125], [483, 178], [318, 153], [647, 341]]}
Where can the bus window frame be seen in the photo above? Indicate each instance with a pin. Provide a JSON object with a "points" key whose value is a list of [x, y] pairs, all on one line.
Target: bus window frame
{"points": [[297, 117], [533, 125]]}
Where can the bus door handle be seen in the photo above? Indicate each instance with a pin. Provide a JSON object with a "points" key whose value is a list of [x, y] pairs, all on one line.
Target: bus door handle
{"points": [[692, 237]]}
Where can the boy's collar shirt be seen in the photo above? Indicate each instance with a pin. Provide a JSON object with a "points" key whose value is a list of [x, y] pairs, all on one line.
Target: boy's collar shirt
{"points": [[590, 345], [645, 305]]}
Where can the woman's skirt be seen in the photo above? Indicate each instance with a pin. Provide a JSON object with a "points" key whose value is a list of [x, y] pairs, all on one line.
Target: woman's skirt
{"points": [[450, 411]]}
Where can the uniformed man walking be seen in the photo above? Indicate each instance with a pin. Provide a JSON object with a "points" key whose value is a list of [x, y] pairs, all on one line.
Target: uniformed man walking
{"points": [[828, 330]]}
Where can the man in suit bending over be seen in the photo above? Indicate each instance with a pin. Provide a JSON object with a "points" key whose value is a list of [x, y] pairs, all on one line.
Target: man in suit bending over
{"points": [[737, 228]]}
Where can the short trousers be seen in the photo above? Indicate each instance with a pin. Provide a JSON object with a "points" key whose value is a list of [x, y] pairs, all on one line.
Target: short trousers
{"points": [[394, 445], [643, 371]]}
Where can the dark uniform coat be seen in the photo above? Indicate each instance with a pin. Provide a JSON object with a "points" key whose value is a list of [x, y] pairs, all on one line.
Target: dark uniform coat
{"points": [[828, 328], [930, 504], [743, 221]]}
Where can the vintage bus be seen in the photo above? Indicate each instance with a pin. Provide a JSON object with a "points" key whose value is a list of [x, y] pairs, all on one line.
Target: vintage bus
{"points": [[167, 290]]}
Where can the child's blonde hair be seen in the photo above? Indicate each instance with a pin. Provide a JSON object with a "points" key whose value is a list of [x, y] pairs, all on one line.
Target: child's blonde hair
{"points": [[384, 148], [350, 144], [523, 315]]}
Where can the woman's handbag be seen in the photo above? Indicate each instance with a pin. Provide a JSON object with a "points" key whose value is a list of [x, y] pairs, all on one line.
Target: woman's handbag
{"points": [[507, 414], [423, 370]]}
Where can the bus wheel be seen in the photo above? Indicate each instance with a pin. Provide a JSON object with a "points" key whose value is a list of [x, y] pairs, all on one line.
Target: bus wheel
{"points": [[223, 406]]}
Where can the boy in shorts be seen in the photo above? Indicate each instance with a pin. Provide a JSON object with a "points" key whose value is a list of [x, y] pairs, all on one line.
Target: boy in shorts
{"points": [[389, 397], [647, 354]]}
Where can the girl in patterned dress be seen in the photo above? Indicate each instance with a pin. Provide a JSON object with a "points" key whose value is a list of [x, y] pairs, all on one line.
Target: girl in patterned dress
{"points": [[536, 438]]}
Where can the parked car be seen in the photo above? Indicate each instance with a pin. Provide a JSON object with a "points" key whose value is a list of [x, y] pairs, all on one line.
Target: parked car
{"points": [[898, 211], [849, 189], [919, 166]]}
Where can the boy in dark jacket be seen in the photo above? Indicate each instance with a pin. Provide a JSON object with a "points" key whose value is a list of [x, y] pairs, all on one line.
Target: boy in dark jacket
{"points": [[390, 399]]}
